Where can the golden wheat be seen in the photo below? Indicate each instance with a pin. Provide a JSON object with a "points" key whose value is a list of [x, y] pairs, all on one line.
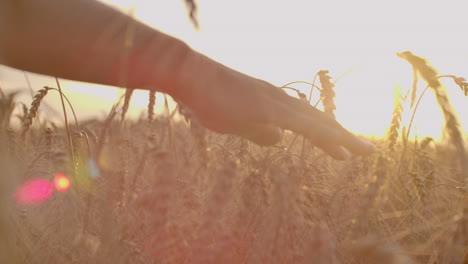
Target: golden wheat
{"points": [[453, 129], [393, 132], [209, 198], [452, 123]]}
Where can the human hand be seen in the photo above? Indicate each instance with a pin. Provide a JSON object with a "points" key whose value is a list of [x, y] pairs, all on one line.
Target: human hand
{"points": [[230, 102]]}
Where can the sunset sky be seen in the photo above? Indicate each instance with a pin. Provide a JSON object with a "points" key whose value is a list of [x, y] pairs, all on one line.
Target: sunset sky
{"points": [[284, 41]]}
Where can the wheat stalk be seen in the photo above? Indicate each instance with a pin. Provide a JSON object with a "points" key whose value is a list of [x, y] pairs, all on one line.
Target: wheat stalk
{"points": [[126, 104], [151, 103], [7, 105], [33, 110], [452, 124], [420, 185], [393, 132], [68, 102], [67, 127], [372, 194], [453, 129], [426, 165]]}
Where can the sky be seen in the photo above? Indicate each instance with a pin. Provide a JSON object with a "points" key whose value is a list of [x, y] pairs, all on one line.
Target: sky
{"points": [[285, 41]]}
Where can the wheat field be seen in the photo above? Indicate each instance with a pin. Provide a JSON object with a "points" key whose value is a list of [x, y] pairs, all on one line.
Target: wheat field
{"points": [[161, 189]]}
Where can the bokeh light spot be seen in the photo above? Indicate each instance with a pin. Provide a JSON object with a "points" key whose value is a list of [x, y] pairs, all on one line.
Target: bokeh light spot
{"points": [[61, 182], [34, 192], [93, 169]]}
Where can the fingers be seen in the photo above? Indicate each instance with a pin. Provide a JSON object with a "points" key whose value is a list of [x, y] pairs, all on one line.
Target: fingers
{"points": [[263, 135], [323, 131], [356, 145], [338, 152]]}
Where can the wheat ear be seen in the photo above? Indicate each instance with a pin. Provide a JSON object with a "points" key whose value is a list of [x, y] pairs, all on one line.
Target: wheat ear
{"points": [[33, 110], [453, 129], [126, 104], [393, 132], [151, 103], [327, 93], [452, 123]]}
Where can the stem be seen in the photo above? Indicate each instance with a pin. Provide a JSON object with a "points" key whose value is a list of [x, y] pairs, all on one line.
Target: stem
{"points": [[312, 87], [312, 84], [170, 130], [416, 107], [29, 84], [68, 102], [344, 74], [290, 88], [107, 124], [405, 140], [70, 145], [315, 86], [318, 101], [413, 115], [292, 142]]}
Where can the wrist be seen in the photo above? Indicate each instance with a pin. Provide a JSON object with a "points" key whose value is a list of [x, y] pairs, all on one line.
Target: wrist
{"points": [[196, 73], [152, 63]]}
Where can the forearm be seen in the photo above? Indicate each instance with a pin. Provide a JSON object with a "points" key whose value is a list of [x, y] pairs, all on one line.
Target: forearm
{"points": [[85, 40]]}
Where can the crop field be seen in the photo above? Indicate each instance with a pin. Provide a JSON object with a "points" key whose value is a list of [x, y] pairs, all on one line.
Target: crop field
{"points": [[164, 189]]}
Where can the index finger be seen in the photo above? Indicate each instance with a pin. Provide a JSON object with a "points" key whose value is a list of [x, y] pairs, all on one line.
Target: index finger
{"points": [[324, 131]]}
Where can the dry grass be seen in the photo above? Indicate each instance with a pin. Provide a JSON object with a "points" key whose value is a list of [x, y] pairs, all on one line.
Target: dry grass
{"points": [[172, 193]]}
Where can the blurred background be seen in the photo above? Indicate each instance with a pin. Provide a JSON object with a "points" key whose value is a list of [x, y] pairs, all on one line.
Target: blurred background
{"points": [[285, 41]]}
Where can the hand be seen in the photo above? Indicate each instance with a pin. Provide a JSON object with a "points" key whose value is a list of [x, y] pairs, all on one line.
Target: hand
{"points": [[91, 50], [230, 102]]}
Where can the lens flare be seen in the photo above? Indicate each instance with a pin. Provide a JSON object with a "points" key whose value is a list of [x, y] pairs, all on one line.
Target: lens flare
{"points": [[33, 192], [93, 169], [61, 182]]}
